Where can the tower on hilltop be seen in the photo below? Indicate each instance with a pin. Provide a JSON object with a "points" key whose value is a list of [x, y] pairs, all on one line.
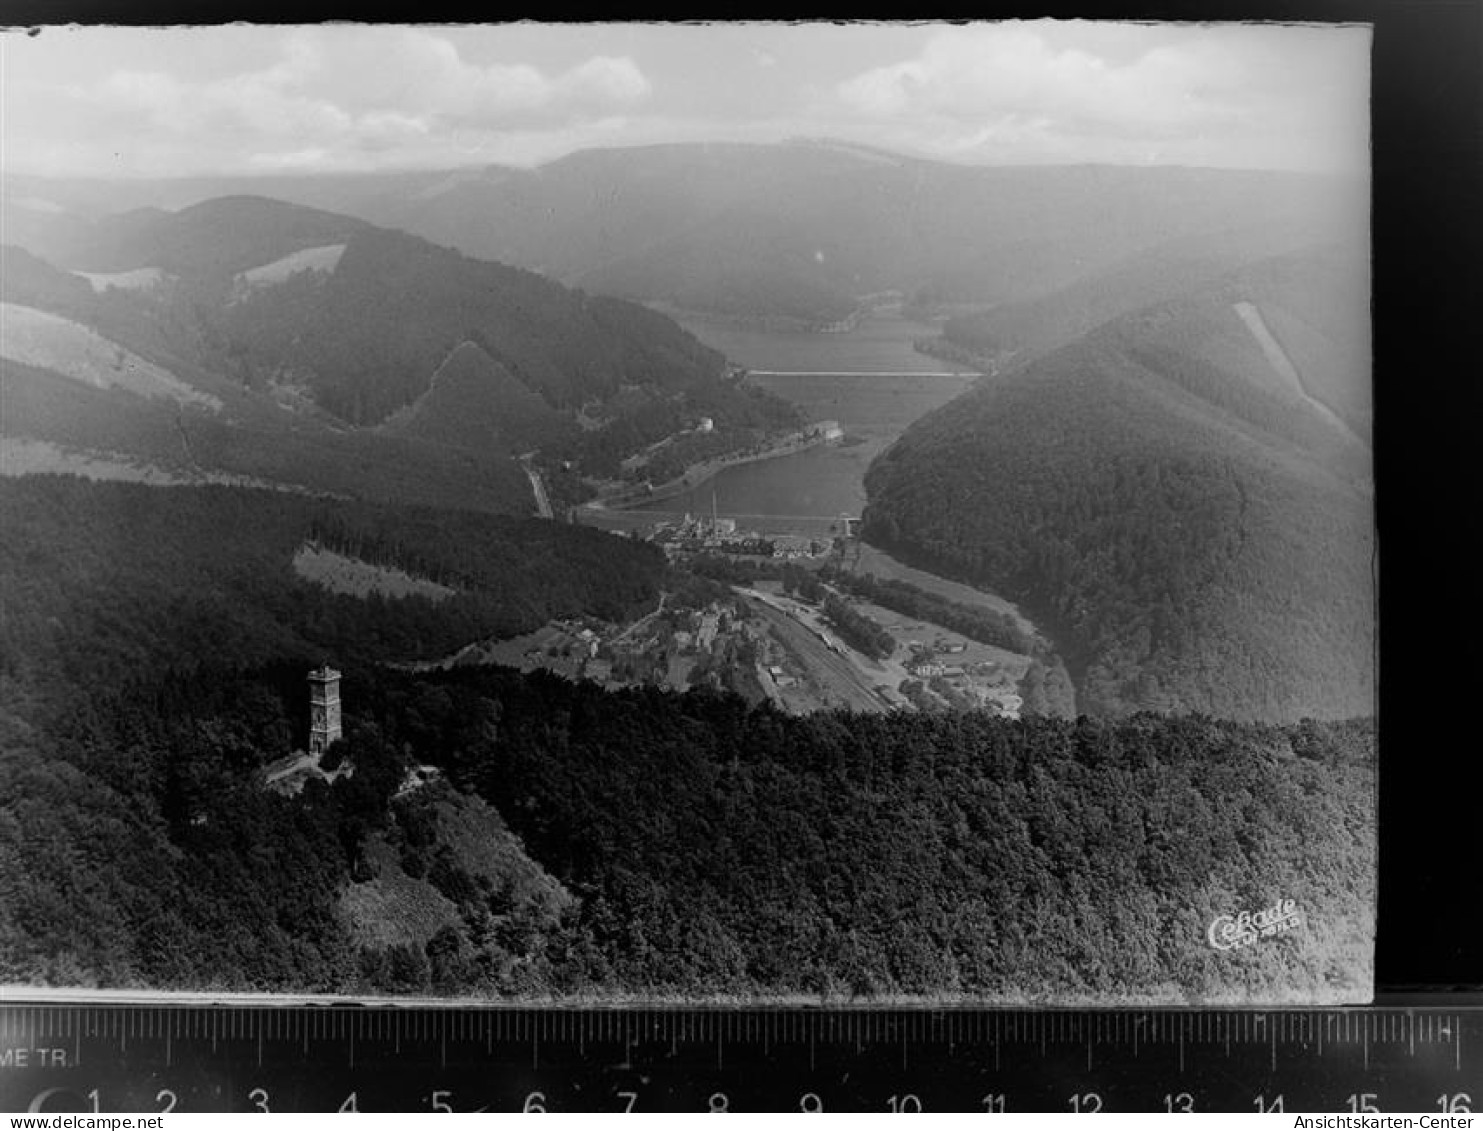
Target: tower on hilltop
{"points": [[324, 708]]}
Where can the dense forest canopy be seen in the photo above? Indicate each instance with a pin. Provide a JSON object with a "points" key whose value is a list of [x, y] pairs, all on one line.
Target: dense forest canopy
{"points": [[1195, 531], [369, 336], [583, 842], [106, 582], [682, 846]]}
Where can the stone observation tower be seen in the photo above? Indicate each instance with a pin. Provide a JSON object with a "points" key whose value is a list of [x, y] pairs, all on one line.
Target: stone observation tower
{"points": [[324, 708]]}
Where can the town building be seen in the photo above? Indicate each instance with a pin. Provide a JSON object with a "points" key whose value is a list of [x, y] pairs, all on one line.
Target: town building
{"points": [[792, 546], [705, 635]]}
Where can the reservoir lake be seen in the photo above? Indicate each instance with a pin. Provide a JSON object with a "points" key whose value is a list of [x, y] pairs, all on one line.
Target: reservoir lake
{"points": [[827, 480], [868, 379], [871, 393], [881, 343]]}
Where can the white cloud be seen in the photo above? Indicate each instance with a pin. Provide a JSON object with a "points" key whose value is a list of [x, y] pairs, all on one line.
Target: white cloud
{"points": [[421, 74], [1012, 70], [332, 95], [603, 83], [1044, 92], [204, 100]]}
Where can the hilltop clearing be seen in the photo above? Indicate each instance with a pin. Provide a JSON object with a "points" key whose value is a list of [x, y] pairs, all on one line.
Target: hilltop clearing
{"points": [[47, 341], [683, 847], [101, 579], [341, 573]]}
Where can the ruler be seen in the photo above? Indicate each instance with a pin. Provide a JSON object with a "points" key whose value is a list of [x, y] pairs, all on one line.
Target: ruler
{"points": [[328, 1058]]}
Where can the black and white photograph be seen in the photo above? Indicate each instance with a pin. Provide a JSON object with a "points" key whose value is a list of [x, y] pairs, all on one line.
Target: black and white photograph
{"points": [[762, 513]]}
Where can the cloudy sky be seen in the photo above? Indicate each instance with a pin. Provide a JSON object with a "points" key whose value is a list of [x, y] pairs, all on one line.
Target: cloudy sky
{"points": [[153, 102]]}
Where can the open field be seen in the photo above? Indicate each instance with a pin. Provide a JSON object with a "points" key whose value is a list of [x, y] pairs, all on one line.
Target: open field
{"points": [[48, 341], [877, 561], [139, 279], [990, 676], [355, 578], [22, 455], [1282, 364], [322, 259]]}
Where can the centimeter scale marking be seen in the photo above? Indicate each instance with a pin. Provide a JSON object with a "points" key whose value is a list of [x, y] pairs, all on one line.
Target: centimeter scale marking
{"points": [[184, 1057]]}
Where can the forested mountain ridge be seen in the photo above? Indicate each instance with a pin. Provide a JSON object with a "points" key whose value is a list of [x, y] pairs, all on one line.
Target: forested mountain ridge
{"points": [[683, 847], [472, 401], [103, 581], [307, 330], [217, 237], [1017, 332], [133, 747], [152, 666], [802, 230], [366, 330], [1194, 526], [796, 231]]}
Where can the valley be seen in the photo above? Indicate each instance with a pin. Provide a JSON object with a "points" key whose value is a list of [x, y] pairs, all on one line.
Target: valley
{"points": [[854, 379], [804, 500], [70, 349], [1168, 498], [883, 341], [695, 571], [824, 673], [790, 437], [1212, 365], [313, 349]]}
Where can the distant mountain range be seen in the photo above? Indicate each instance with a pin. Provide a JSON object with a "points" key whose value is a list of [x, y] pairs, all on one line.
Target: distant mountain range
{"points": [[1183, 495], [1015, 332], [261, 338], [798, 231]]}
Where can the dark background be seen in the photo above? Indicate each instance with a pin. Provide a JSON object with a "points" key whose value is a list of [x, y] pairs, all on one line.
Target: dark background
{"points": [[1428, 194]]}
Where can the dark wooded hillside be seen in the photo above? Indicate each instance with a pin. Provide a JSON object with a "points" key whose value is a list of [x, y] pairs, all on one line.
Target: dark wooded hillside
{"points": [[1194, 529]]}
